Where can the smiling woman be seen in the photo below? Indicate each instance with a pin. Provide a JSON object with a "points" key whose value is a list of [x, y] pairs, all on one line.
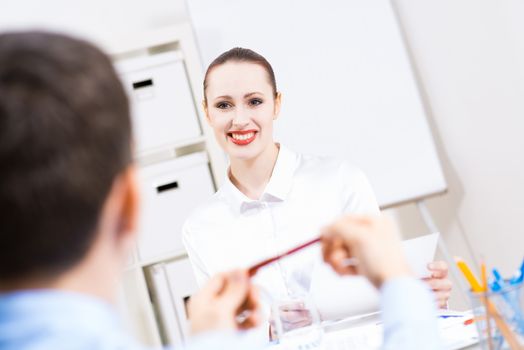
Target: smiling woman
{"points": [[273, 198]]}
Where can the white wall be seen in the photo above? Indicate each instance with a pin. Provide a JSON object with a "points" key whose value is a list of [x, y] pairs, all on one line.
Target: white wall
{"points": [[95, 19], [469, 55]]}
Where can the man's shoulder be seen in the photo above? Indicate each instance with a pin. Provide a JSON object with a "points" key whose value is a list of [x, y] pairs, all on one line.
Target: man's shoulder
{"points": [[49, 337]]}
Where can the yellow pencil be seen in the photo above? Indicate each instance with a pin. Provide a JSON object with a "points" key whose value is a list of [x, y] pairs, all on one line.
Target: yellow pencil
{"points": [[475, 285]]}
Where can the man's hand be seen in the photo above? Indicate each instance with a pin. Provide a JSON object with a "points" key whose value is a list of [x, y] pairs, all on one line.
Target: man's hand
{"points": [[439, 282], [373, 241], [227, 301]]}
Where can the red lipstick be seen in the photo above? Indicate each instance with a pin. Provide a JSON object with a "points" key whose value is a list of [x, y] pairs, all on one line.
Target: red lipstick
{"points": [[242, 142]]}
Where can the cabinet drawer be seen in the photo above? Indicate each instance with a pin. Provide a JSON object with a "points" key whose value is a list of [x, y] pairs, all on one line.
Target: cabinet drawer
{"points": [[169, 192]]}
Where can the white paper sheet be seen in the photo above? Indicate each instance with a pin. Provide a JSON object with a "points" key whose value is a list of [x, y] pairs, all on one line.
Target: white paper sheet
{"points": [[420, 252], [338, 297]]}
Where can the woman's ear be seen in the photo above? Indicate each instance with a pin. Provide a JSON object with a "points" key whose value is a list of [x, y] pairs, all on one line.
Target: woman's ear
{"points": [[278, 103], [206, 112]]}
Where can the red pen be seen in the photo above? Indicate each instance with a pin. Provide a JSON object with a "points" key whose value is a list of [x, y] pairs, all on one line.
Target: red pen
{"points": [[253, 269], [469, 321]]}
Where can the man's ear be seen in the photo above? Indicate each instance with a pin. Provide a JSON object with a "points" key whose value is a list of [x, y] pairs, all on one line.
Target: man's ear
{"points": [[278, 103], [130, 203]]}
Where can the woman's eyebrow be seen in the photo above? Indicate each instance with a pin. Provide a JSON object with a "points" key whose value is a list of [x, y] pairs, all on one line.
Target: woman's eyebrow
{"points": [[227, 97], [222, 97], [252, 93]]}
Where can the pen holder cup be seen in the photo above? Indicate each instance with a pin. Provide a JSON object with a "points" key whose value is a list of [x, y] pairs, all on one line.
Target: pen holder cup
{"points": [[499, 317]]}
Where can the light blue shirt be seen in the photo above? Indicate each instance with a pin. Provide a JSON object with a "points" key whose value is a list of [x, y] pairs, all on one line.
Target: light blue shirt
{"points": [[409, 315], [47, 319]]}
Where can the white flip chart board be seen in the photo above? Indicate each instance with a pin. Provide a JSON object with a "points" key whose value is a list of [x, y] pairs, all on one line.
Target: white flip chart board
{"points": [[348, 86]]}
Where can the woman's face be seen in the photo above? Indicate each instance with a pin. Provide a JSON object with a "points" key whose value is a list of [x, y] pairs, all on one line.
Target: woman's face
{"points": [[241, 108]]}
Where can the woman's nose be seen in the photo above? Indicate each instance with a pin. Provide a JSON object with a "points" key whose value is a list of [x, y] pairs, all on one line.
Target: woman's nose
{"points": [[241, 118]]}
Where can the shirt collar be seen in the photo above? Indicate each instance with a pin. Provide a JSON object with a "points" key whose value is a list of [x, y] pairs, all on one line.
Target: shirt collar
{"points": [[276, 190], [281, 180]]}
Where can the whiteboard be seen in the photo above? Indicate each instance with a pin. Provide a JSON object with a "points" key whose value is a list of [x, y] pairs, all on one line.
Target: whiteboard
{"points": [[348, 87]]}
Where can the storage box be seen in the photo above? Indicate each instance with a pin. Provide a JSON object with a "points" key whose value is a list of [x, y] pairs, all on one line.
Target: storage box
{"points": [[162, 104]]}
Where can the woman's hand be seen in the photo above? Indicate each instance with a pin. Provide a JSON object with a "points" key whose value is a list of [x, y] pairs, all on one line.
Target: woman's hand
{"points": [[439, 282]]}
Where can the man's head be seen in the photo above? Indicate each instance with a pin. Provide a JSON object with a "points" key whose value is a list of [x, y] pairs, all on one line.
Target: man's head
{"points": [[68, 202], [65, 152]]}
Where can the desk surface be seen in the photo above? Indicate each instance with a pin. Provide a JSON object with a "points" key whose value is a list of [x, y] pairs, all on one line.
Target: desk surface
{"points": [[366, 333]]}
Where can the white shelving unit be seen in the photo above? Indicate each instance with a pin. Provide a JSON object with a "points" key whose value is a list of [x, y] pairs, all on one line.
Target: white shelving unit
{"points": [[180, 165]]}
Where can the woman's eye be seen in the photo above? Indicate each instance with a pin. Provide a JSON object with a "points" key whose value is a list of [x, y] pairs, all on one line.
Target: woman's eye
{"points": [[255, 102], [223, 105]]}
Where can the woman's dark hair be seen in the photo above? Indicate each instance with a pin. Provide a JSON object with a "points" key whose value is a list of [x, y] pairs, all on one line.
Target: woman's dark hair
{"points": [[239, 54]]}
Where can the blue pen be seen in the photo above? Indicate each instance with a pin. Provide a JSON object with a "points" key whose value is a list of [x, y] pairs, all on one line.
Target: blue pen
{"points": [[498, 283], [519, 277], [497, 275], [509, 295], [449, 316]]}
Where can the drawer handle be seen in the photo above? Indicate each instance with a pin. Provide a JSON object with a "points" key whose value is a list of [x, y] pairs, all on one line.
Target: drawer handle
{"points": [[167, 187], [142, 84]]}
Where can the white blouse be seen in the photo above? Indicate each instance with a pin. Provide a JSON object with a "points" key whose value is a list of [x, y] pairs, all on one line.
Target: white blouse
{"points": [[304, 194]]}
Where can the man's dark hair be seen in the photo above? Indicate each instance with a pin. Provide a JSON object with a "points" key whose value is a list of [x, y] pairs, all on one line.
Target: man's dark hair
{"points": [[65, 135]]}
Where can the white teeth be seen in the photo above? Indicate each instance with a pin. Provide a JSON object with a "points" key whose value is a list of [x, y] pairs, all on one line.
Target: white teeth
{"points": [[242, 137]]}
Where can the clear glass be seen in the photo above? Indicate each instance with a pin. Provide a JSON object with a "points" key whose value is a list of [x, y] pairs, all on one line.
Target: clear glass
{"points": [[509, 304], [296, 320]]}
